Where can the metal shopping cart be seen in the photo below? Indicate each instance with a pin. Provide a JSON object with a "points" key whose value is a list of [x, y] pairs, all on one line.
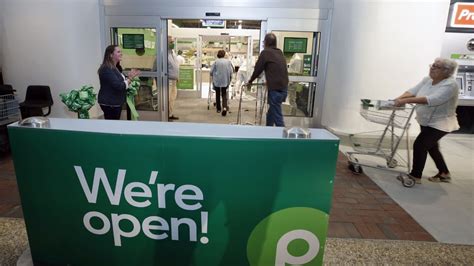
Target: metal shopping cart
{"points": [[9, 109], [9, 113], [255, 92], [384, 143], [210, 94]]}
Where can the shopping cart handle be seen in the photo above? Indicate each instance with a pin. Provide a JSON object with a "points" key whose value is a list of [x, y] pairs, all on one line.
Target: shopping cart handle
{"points": [[255, 84]]}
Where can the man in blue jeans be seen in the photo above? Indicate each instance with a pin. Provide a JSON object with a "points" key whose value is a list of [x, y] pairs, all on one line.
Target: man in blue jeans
{"points": [[272, 61]]}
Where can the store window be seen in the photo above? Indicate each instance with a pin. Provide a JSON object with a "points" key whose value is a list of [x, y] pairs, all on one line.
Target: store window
{"points": [[299, 102], [301, 50], [138, 47], [147, 96]]}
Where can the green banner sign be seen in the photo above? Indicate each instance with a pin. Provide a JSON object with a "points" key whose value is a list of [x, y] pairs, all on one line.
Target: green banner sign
{"points": [[186, 78], [133, 41], [93, 198], [295, 45]]}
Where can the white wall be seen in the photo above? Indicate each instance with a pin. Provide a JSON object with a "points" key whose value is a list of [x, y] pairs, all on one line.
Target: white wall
{"points": [[378, 50], [1, 33], [51, 42]]}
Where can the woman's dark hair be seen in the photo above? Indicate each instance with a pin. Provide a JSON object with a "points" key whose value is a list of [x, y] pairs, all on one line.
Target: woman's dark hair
{"points": [[270, 40], [107, 61], [119, 67], [220, 54]]}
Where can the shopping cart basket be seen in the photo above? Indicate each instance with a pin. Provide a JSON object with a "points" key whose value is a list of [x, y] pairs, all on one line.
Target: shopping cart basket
{"points": [[384, 143], [9, 113], [9, 109]]}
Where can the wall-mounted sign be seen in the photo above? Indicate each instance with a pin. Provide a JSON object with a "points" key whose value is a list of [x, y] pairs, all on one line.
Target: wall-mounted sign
{"points": [[213, 23], [295, 45], [133, 41], [186, 78], [462, 15]]}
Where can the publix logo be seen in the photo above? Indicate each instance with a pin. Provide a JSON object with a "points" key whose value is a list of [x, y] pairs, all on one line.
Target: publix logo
{"points": [[293, 236]]}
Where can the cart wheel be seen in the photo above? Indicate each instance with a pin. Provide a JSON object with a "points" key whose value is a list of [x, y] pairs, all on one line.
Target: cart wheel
{"points": [[392, 164], [408, 182], [355, 168]]}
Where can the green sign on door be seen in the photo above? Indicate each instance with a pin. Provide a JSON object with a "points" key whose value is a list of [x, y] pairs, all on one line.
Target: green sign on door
{"points": [[97, 198], [186, 78]]}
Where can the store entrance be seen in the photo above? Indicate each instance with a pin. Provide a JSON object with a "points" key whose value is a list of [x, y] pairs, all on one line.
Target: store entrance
{"points": [[196, 44], [238, 51]]}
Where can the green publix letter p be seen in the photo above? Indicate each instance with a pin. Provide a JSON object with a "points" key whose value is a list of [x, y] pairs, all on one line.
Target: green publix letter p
{"points": [[293, 236]]}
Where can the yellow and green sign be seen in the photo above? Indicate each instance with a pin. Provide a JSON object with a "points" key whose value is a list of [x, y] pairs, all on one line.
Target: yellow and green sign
{"points": [[94, 198]]}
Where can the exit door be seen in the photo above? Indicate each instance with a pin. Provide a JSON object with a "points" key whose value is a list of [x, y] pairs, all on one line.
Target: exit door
{"points": [[305, 47]]}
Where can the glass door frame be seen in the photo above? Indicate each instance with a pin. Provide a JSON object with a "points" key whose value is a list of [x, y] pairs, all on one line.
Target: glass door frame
{"points": [[161, 73], [323, 28]]}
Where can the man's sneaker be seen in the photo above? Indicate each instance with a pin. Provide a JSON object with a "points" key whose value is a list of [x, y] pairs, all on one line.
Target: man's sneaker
{"points": [[440, 178], [224, 111]]}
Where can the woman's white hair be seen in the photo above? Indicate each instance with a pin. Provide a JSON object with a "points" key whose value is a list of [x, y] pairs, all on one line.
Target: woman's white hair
{"points": [[449, 65]]}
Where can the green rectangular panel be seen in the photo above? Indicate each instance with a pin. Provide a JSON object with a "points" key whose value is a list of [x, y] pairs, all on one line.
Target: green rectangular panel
{"points": [[186, 78], [133, 41], [94, 198], [295, 45]]}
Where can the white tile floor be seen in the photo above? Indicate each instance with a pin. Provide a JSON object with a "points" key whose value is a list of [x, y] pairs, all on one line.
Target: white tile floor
{"points": [[446, 211]]}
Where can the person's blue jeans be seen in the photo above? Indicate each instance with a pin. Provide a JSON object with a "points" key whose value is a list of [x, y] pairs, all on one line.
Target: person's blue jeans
{"points": [[274, 115]]}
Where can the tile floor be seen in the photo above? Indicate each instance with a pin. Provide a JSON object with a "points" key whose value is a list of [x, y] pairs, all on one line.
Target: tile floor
{"points": [[446, 211]]}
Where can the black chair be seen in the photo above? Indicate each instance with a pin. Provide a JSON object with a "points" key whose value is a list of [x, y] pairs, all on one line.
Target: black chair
{"points": [[37, 98], [6, 89]]}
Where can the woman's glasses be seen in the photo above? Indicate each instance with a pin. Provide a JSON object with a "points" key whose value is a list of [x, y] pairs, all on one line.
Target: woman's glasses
{"points": [[434, 66]]}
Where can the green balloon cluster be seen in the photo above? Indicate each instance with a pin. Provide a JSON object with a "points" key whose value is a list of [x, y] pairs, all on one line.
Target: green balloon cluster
{"points": [[132, 90], [133, 87], [80, 101]]}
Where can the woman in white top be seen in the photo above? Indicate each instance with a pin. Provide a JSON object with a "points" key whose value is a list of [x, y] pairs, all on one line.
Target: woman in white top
{"points": [[436, 99]]}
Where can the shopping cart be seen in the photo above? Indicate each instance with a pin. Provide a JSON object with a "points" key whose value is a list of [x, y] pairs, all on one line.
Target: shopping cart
{"points": [[210, 94], [9, 109], [252, 92], [9, 113], [383, 143]]}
